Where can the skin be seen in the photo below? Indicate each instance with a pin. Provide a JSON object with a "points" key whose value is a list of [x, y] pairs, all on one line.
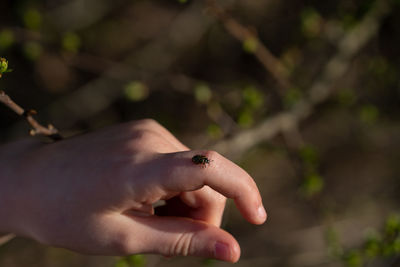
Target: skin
{"points": [[95, 193]]}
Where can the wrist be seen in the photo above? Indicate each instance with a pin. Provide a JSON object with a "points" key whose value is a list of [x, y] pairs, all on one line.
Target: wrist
{"points": [[11, 156], [6, 191]]}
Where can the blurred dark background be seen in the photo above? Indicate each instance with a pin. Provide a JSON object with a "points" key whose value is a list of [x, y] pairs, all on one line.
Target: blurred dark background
{"points": [[303, 94]]}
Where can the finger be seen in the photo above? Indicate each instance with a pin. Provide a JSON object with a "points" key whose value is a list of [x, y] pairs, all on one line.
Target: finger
{"points": [[177, 173], [205, 205], [173, 236]]}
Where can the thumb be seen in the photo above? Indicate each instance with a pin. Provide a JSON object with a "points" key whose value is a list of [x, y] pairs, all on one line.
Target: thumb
{"points": [[173, 236]]}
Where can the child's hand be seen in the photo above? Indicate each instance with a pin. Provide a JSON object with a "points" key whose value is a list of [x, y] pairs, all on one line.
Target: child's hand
{"points": [[94, 194]]}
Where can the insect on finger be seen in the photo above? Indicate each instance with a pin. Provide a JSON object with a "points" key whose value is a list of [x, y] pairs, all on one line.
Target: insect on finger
{"points": [[201, 160]]}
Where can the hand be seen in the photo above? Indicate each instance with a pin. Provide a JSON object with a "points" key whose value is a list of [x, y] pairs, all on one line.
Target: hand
{"points": [[95, 194]]}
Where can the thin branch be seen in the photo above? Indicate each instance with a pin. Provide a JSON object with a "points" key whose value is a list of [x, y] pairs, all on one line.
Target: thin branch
{"points": [[37, 128], [271, 63], [320, 91]]}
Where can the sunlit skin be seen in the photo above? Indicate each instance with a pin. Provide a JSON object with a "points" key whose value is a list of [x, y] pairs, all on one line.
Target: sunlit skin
{"points": [[95, 193]]}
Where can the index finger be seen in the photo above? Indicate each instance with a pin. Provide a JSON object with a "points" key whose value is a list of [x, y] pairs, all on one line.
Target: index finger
{"points": [[179, 173]]}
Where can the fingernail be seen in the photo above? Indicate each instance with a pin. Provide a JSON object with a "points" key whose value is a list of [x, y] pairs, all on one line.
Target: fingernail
{"points": [[222, 251], [262, 214]]}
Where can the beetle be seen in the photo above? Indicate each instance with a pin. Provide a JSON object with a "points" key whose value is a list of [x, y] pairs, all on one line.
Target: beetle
{"points": [[200, 159]]}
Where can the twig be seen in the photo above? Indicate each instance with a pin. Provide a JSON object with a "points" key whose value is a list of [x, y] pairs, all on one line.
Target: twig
{"points": [[81, 105], [348, 47], [271, 64], [37, 128]]}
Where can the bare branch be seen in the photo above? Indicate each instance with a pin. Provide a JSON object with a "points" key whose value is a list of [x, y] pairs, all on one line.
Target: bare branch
{"points": [[37, 128], [320, 91], [243, 34]]}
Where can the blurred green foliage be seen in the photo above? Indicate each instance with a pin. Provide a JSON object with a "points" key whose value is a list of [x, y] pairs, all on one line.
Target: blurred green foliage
{"points": [[335, 249], [132, 261], [353, 259], [309, 156], [136, 91], [313, 182], [202, 93], [250, 45], [234, 94], [377, 245], [209, 262], [214, 131], [3, 66], [346, 97], [32, 19], [71, 42], [311, 22], [292, 97], [369, 114], [32, 50], [7, 39], [252, 101]]}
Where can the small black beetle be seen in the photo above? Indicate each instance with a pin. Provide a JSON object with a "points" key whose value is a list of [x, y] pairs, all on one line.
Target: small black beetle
{"points": [[200, 159]]}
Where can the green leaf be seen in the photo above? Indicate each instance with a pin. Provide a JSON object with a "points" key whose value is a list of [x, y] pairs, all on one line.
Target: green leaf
{"points": [[32, 50], [372, 246], [32, 19], [292, 97], [312, 185], [334, 246], [392, 225], [71, 42], [396, 246], [250, 45], [246, 118], [136, 91], [208, 262], [346, 97], [214, 131], [348, 21], [122, 263], [7, 39], [369, 114], [252, 97], [136, 260], [202, 93], [3, 66], [354, 259], [309, 155], [378, 66], [311, 22]]}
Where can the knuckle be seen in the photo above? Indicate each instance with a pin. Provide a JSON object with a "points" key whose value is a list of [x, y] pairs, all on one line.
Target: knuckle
{"points": [[182, 245], [211, 154], [148, 123], [145, 124], [143, 133], [144, 136]]}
